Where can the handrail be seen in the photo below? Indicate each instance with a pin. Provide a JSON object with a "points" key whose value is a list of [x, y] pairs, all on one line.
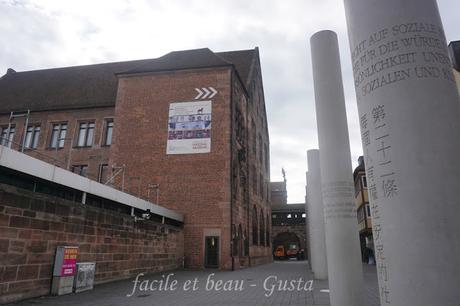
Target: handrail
{"points": [[61, 164], [7, 142]]}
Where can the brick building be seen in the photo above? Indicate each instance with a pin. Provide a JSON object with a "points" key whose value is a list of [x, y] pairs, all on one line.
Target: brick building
{"points": [[120, 123]]}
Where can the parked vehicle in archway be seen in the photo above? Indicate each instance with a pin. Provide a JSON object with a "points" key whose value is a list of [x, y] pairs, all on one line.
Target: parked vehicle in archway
{"points": [[279, 252]]}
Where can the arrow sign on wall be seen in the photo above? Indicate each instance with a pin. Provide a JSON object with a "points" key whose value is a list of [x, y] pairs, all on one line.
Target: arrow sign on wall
{"points": [[205, 93]]}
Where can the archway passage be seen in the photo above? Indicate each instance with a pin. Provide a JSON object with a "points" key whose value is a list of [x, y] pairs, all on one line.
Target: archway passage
{"points": [[287, 245]]}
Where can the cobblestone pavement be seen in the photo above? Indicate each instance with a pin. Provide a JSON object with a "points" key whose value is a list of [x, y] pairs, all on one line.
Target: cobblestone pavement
{"points": [[249, 290]]}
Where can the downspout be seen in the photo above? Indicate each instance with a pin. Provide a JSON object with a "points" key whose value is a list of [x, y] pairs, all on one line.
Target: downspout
{"points": [[231, 168]]}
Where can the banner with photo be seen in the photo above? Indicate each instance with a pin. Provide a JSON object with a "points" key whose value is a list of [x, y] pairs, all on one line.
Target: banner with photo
{"points": [[189, 128]]}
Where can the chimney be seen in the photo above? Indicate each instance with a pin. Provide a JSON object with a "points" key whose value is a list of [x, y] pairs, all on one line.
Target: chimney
{"points": [[454, 53], [10, 70]]}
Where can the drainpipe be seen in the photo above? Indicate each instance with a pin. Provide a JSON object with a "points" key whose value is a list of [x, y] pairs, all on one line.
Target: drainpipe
{"points": [[231, 167]]}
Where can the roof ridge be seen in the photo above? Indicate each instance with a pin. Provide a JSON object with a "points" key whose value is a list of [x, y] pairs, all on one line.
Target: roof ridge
{"points": [[82, 66]]}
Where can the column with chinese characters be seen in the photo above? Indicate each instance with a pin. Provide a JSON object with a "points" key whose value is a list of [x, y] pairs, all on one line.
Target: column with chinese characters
{"points": [[409, 115], [318, 239], [340, 220]]}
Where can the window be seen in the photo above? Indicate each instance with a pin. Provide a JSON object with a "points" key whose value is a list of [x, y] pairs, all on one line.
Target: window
{"points": [[260, 150], [289, 216], [274, 216], [80, 169], [58, 135], [103, 173], [261, 186], [108, 132], [255, 228], [304, 215], [267, 232], [32, 135], [254, 180], [364, 180], [368, 210], [266, 158], [253, 136], [86, 134], [7, 136], [262, 228]]}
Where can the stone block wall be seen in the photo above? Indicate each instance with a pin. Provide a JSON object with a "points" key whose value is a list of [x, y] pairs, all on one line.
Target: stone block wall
{"points": [[33, 225]]}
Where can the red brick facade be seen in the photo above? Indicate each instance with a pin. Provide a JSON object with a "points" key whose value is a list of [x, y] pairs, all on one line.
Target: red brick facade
{"points": [[70, 155], [223, 193], [32, 226]]}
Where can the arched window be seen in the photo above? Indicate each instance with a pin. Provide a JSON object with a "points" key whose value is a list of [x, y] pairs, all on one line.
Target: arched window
{"points": [[234, 241], [240, 241], [255, 228], [262, 228], [267, 231], [246, 244]]}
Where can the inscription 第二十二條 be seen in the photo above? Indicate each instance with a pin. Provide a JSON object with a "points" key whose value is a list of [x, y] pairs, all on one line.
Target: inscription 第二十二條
{"points": [[400, 52]]}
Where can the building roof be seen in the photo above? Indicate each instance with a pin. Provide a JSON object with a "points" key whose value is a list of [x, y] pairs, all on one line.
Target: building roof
{"points": [[360, 168], [96, 85]]}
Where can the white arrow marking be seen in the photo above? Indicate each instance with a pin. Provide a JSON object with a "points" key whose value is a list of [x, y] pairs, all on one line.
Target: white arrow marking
{"points": [[214, 92], [207, 92], [199, 93]]}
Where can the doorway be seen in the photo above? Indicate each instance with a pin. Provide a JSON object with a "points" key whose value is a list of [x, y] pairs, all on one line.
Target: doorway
{"points": [[211, 252]]}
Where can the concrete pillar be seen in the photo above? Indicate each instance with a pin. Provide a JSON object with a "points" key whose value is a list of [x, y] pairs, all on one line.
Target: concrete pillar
{"points": [[318, 239], [409, 114], [308, 220], [341, 226]]}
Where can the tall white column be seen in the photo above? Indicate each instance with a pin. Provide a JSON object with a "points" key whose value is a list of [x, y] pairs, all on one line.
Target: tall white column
{"points": [[410, 126], [318, 239], [308, 220], [341, 226]]}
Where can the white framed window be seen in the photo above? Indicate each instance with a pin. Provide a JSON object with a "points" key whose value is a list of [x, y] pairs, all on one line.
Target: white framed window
{"points": [[85, 134], [58, 135], [80, 169], [32, 136], [7, 136], [108, 132]]}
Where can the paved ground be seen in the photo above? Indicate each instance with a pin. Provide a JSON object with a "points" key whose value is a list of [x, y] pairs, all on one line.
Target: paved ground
{"points": [[249, 290]]}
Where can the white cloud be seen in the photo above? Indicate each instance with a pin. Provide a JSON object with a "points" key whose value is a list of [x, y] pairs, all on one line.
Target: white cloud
{"points": [[52, 33]]}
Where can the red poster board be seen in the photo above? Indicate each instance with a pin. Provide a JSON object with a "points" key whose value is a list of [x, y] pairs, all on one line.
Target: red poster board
{"points": [[66, 261], [69, 263]]}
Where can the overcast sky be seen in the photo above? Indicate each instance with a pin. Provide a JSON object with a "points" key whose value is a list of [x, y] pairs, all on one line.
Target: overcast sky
{"points": [[40, 34]]}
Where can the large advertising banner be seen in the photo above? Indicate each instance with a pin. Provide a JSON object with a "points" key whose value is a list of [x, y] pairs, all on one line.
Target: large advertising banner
{"points": [[189, 128]]}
